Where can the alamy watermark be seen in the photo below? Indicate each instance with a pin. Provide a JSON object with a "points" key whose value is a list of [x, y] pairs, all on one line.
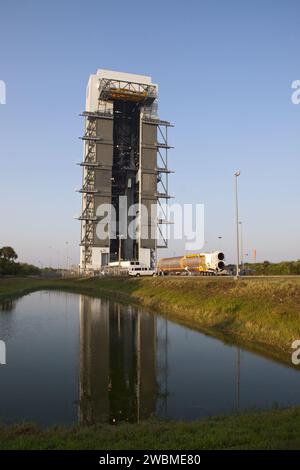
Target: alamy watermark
{"points": [[2, 92], [152, 221], [295, 97], [296, 353], [2, 353]]}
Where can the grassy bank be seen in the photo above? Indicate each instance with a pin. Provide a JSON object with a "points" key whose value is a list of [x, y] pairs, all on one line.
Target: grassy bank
{"points": [[265, 312], [275, 429]]}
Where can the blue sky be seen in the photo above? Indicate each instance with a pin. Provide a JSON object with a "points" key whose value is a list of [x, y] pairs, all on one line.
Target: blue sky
{"points": [[224, 70]]}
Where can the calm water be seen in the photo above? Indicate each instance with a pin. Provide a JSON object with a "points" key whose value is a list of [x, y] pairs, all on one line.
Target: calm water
{"points": [[71, 358]]}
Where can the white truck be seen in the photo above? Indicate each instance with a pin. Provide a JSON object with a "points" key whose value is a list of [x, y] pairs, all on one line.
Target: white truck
{"points": [[138, 271]]}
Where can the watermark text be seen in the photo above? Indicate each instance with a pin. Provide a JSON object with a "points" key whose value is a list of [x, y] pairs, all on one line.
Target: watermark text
{"points": [[2, 92], [296, 353], [2, 353]]}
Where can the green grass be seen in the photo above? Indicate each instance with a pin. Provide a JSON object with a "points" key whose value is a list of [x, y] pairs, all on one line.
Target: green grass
{"points": [[274, 429]]}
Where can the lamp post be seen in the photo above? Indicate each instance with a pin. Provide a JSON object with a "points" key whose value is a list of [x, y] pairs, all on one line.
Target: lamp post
{"points": [[120, 246], [58, 259], [50, 257], [67, 253], [242, 245], [236, 175]]}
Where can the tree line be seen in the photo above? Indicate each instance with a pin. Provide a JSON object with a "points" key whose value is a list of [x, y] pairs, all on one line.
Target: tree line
{"points": [[268, 268], [9, 266]]}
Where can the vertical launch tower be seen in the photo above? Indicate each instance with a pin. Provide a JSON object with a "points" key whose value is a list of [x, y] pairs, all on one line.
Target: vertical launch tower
{"points": [[125, 165]]}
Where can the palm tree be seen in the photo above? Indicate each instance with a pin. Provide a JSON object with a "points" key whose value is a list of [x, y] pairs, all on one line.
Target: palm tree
{"points": [[8, 253]]}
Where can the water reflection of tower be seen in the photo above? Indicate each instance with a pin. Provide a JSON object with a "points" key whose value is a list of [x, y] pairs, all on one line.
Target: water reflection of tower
{"points": [[162, 367], [146, 365], [238, 379], [117, 362], [94, 360]]}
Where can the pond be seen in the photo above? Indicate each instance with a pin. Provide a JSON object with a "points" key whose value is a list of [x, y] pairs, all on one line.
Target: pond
{"points": [[76, 359]]}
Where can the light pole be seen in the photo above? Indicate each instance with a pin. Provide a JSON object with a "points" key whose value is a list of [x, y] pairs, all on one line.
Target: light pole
{"points": [[50, 257], [120, 245], [242, 245], [236, 175], [67, 252], [58, 259]]}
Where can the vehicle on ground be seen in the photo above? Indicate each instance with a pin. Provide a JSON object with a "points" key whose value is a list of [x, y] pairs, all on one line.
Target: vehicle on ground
{"points": [[203, 264], [138, 271]]}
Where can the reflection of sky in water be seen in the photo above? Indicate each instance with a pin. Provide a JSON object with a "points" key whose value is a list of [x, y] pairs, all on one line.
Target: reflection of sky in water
{"points": [[203, 377], [73, 358]]}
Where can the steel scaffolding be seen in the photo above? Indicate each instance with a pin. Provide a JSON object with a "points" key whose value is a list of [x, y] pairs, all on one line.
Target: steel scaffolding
{"points": [[110, 89], [163, 171], [144, 95], [89, 164]]}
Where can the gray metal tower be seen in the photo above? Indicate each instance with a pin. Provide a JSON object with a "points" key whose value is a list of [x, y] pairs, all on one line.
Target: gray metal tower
{"points": [[125, 171]]}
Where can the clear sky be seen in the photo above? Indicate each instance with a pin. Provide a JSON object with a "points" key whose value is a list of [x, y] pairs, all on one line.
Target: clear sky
{"points": [[224, 69]]}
